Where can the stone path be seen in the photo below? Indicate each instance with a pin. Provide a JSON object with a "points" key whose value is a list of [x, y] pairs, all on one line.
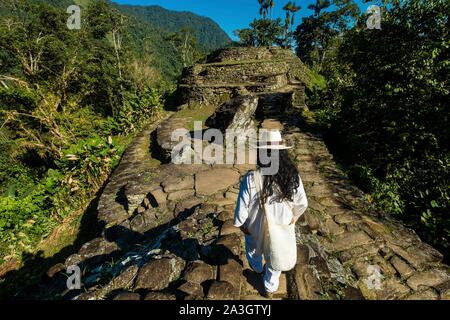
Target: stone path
{"points": [[168, 228], [348, 245], [169, 235]]}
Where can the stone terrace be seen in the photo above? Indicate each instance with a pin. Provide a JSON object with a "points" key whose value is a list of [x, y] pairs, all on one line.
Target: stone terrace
{"points": [[168, 230]]}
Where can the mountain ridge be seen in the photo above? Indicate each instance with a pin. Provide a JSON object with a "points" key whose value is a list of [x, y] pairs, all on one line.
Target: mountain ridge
{"points": [[208, 32]]}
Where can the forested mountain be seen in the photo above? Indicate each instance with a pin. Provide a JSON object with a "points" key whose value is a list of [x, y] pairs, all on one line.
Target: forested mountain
{"points": [[71, 100], [207, 32], [152, 26]]}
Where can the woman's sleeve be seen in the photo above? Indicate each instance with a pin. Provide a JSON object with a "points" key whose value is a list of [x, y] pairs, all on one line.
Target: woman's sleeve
{"points": [[300, 200], [243, 201]]}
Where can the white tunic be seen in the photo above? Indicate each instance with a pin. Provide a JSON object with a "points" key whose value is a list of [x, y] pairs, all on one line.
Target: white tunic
{"points": [[248, 212]]}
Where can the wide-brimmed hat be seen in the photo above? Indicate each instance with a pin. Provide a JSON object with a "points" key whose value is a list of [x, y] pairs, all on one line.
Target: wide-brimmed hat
{"points": [[271, 139]]}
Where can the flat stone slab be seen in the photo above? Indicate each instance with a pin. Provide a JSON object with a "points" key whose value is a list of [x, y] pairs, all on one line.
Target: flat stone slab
{"points": [[350, 240], [212, 181]]}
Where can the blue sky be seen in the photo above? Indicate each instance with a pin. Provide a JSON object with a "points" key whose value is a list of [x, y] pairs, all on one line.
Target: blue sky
{"points": [[229, 14]]}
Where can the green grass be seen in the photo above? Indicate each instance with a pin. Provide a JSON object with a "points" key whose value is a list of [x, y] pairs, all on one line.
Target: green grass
{"points": [[195, 114]]}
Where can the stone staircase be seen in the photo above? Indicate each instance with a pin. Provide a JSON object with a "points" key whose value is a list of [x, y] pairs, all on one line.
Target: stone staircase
{"points": [[196, 253], [168, 228]]}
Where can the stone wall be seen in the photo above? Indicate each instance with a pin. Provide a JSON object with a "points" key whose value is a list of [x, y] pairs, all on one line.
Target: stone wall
{"points": [[257, 70]]}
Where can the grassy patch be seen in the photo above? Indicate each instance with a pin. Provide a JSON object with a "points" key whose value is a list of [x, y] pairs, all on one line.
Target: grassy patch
{"points": [[195, 114]]}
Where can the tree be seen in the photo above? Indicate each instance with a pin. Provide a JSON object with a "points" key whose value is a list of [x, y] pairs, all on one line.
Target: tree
{"points": [[185, 43], [289, 22], [389, 123], [316, 31], [247, 37]]}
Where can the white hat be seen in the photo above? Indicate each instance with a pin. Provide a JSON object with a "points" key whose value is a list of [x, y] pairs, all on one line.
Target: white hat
{"points": [[271, 139]]}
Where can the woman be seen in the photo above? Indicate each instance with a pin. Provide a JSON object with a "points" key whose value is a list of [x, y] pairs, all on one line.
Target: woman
{"points": [[284, 197]]}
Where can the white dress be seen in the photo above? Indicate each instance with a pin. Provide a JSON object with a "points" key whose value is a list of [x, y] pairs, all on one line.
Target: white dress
{"points": [[248, 213]]}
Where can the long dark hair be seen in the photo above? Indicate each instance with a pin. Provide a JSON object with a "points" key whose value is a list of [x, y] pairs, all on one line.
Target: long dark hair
{"points": [[284, 183]]}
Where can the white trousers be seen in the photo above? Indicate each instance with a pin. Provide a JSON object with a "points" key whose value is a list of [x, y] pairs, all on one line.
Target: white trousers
{"points": [[271, 277]]}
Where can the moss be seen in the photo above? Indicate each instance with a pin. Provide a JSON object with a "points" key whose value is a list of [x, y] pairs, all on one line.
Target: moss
{"points": [[316, 80]]}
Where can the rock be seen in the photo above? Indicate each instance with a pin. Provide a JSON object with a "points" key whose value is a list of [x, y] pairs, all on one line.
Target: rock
{"points": [[330, 202], [221, 290], [191, 291], [321, 266], [125, 280], [272, 124], [73, 260], [90, 295], [386, 268], [187, 204], [227, 247], [212, 181], [9, 266], [127, 296], [429, 278], [225, 215], [188, 227], [364, 251], [158, 274], [181, 194], [402, 267], [361, 268], [302, 254], [348, 218], [312, 219], [157, 197], [351, 293], [331, 228], [350, 240], [392, 289], [57, 268], [164, 134], [140, 209], [228, 228], [308, 286], [419, 256], [231, 195], [428, 294], [146, 203], [184, 183], [144, 222], [231, 272], [93, 252], [110, 215], [389, 289], [236, 114], [314, 205], [222, 202], [444, 290], [135, 192], [335, 211], [198, 272], [159, 296], [187, 249]]}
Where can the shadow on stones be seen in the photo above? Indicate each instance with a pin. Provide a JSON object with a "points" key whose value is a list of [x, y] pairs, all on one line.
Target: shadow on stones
{"points": [[156, 151], [255, 280], [46, 286], [121, 198]]}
